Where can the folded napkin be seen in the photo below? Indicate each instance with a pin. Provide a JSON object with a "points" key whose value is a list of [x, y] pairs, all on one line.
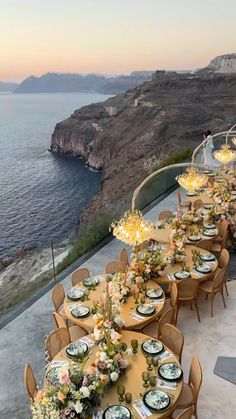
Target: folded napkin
{"points": [[171, 277], [165, 355], [141, 409], [72, 306], [136, 316], [153, 301], [88, 341], [166, 384], [58, 363]]}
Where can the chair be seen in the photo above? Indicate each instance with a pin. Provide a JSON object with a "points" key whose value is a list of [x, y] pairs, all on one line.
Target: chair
{"points": [[165, 214], [190, 391], [76, 332], [30, 382], [124, 258], [187, 294], [58, 296], [197, 204], [154, 329], [187, 414], [214, 287], [79, 275], [205, 244], [173, 339], [223, 264], [173, 299], [56, 341], [220, 242], [114, 266]]}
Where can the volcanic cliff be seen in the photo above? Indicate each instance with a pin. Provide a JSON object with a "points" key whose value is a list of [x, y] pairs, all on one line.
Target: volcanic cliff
{"points": [[127, 135]]}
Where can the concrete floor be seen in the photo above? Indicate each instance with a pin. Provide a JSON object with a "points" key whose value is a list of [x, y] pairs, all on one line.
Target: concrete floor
{"points": [[22, 341]]}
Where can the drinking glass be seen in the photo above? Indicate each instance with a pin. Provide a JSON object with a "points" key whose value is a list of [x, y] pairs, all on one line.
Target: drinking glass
{"points": [[136, 295], [152, 381], [142, 299], [128, 398], [121, 392], [155, 361], [145, 377], [134, 344], [149, 363]]}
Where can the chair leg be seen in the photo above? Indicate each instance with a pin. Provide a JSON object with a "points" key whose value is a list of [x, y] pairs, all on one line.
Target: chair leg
{"points": [[212, 299], [176, 315], [226, 289], [196, 306], [195, 411], [223, 298], [191, 307]]}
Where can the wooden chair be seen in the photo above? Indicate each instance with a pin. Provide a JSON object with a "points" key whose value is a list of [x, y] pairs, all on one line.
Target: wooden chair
{"points": [[187, 414], [220, 242], [79, 275], [56, 341], [214, 287], [58, 296], [190, 391], [154, 329], [30, 382], [114, 266], [223, 264], [197, 204], [165, 214], [76, 332], [124, 258], [187, 294], [205, 244], [173, 339], [173, 299]]}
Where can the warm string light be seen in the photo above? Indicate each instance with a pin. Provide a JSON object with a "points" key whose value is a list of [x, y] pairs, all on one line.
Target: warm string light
{"points": [[192, 180], [132, 228], [224, 155]]}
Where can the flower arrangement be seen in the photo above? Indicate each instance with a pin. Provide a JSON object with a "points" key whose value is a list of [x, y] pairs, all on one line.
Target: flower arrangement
{"points": [[119, 287], [145, 264], [191, 217]]}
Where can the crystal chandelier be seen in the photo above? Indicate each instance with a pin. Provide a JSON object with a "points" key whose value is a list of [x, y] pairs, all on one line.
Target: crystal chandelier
{"points": [[224, 155], [192, 180], [234, 140], [132, 228]]}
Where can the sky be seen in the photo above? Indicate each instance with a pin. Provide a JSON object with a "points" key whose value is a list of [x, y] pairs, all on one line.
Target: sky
{"points": [[112, 36]]}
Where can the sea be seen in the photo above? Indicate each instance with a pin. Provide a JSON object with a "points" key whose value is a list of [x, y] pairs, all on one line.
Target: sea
{"points": [[41, 194]]}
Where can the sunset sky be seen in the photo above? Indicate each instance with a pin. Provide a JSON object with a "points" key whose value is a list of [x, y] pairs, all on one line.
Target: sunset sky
{"points": [[112, 36]]}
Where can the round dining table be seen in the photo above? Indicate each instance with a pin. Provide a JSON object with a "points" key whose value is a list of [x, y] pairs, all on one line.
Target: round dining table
{"points": [[177, 267], [132, 319], [132, 378], [162, 234]]}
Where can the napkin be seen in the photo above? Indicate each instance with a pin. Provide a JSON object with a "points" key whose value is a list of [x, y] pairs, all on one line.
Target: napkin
{"points": [[72, 306], [166, 384], [88, 341], [141, 409], [165, 355], [58, 363], [171, 277], [136, 316], [152, 301]]}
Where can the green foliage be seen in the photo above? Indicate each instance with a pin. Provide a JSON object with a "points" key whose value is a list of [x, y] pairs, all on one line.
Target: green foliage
{"points": [[177, 157]]}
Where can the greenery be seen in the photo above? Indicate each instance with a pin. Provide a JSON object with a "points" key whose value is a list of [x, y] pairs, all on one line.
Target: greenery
{"points": [[177, 157]]}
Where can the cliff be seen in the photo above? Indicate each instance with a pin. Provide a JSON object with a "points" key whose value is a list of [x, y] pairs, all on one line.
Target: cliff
{"points": [[222, 64], [127, 134]]}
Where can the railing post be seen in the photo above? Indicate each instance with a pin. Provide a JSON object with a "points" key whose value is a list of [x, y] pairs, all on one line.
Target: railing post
{"points": [[53, 263]]}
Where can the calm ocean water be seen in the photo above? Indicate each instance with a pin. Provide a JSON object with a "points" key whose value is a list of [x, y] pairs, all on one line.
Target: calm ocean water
{"points": [[41, 195]]}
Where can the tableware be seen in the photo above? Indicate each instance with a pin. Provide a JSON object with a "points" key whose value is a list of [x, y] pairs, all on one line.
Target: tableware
{"points": [[149, 363], [170, 371], [207, 206], [77, 349], [121, 392], [90, 282], [191, 193], [220, 180], [154, 293], [153, 381], [156, 400], [145, 377], [136, 296], [209, 226], [210, 233], [207, 257], [155, 361], [134, 345], [142, 299], [146, 309], [194, 238], [80, 311], [152, 346], [53, 375], [75, 294], [233, 192], [203, 269], [128, 398], [182, 275], [117, 411]]}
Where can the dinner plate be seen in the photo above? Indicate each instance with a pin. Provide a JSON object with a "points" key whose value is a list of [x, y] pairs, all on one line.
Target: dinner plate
{"points": [[194, 238], [117, 411], [233, 192], [146, 309], [210, 233], [53, 375], [90, 281], [75, 293], [191, 193], [220, 180], [209, 226], [152, 346], [75, 348], [154, 293], [156, 400], [211, 174], [182, 275], [207, 257], [206, 172], [204, 269], [170, 371], [80, 311], [207, 206]]}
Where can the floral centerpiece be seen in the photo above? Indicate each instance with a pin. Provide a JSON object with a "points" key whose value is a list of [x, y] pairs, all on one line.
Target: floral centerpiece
{"points": [[146, 264]]}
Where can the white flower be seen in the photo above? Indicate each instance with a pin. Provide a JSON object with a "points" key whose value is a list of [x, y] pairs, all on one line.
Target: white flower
{"points": [[129, 352], [84, 391], [114, 376], [119, 321], [78, 407], [103, 356]]}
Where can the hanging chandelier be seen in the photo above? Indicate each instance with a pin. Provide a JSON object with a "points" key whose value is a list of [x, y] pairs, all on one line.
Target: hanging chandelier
{"points": [[224, 155], [132, 228], [192, 180], [234, 140]]}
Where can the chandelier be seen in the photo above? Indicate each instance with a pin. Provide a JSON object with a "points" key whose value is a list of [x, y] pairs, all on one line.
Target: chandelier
{"points": [[234, 140], [192, 180], [224, 155], [132, 228]]}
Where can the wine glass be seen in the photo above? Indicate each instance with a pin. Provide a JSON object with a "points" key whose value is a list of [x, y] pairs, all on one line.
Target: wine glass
{"points": [[142, 299], [145, 377], [144, 286], [155, 361], [128, 398], [149, 363], [121, 392], [136, 295], [152, 381], [134, 344]]}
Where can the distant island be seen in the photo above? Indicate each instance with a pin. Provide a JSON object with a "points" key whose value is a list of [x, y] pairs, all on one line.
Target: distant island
{"points": [[8, 87], [94, 83]]}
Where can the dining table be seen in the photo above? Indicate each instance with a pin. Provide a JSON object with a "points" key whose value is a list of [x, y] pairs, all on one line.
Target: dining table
{"points": [[133, 319], [132, 377], [162, 232]]}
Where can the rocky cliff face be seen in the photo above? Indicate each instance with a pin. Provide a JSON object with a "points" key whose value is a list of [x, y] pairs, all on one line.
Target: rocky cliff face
{"points": [[222, 64], [127, 134]]}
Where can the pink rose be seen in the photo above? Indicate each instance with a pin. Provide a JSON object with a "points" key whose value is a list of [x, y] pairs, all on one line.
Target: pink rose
{"points": [[64, 378]]}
